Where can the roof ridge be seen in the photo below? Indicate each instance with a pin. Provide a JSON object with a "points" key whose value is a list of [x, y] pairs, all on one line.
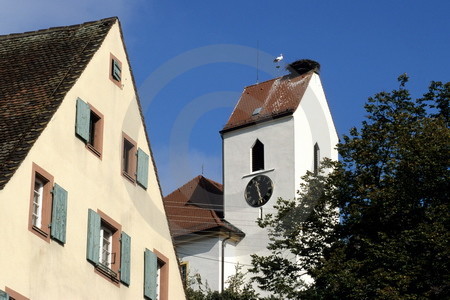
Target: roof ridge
{"points": [[211, 181], [265, 81], [179, 188], [287, 76], [198, 178], [54, 29]]}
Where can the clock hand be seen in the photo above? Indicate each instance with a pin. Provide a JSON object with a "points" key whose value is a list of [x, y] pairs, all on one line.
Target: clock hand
{"points": [[259, 192]]}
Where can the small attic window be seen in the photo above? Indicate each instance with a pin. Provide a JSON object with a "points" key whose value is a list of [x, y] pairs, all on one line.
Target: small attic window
{"points": [[115, 72], [256, 111]]}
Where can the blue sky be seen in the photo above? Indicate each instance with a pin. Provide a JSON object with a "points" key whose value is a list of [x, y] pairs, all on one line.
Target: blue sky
{"points": [[192, 59]]}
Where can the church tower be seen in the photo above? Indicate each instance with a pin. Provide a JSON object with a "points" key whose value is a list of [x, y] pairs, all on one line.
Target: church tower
{"points": [[278, 130]]}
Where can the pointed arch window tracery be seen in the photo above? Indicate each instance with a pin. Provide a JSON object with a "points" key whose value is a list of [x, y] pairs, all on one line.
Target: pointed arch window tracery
{"points": [[316, 158], [257, 156]]}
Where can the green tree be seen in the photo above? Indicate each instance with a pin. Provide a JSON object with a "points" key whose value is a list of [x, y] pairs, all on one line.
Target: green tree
{"points": [[391, 190], [237, 288]]}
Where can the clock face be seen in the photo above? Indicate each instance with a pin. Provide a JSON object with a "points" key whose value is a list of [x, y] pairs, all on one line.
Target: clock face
{"points": [[258, 190]]}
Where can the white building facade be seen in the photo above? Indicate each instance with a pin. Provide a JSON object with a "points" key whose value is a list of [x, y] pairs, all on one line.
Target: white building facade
{"points": [[80, 202]]}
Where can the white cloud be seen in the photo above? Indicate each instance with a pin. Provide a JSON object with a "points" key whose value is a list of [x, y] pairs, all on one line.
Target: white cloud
{"points": [[29, 15]]}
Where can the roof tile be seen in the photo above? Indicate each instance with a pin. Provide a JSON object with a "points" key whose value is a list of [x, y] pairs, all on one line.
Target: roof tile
{"points": [[197, 207], [272, 99]]}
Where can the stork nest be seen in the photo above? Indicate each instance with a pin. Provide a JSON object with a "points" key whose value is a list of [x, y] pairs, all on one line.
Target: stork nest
{"points": [[303, 66]]}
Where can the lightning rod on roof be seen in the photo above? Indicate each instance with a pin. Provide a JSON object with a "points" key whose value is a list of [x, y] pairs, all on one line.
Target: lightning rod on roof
{"points": [[257, 61]]}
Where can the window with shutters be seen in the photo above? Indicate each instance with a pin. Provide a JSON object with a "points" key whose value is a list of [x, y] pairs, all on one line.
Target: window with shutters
{"points": [[316, 158], [115, 72], [135, 162], [89, 127], [156, 275], [108, 248], [48, 207], [257, 156], [10, 294]]}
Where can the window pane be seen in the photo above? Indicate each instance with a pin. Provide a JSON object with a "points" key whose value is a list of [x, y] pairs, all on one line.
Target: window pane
{"points": [[37, 202], [93, 127], [127, 147], [105, 246], [158, 281]]}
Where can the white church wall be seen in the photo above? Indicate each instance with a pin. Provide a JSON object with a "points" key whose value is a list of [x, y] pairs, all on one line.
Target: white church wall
{"points": [[313, 124], [203, 256], [278, 139]]}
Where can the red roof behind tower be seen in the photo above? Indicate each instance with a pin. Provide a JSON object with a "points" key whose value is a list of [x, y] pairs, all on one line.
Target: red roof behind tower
{"points": [[197, 208]]}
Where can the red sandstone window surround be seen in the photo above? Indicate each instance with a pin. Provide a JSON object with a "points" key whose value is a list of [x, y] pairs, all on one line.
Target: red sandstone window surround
{"points": [[13, 295], [115, 70], [129, 149], [40, 202]]}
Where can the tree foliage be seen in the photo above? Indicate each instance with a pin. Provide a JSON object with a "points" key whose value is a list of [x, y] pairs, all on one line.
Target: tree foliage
{"points": [[237, 288], [377, 225]]}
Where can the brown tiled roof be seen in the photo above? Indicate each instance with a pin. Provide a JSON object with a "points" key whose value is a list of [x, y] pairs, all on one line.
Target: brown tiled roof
{"points": [[196, 208], [274, 98], [37, 69]]}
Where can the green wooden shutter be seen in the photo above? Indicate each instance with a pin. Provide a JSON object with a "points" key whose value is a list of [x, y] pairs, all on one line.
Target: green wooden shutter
{"points": [[93, 237], [83, 120], [116, 72], [4, 296], [59, 214], [125, 258], [150, 274], [142, 168]]}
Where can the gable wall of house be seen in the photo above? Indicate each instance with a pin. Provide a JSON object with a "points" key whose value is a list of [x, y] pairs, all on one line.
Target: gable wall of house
{"points": [[47, 270]]}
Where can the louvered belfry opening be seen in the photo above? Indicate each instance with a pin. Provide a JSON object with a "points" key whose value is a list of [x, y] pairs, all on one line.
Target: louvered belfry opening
{"points": [[257, 156], [316, 158]]}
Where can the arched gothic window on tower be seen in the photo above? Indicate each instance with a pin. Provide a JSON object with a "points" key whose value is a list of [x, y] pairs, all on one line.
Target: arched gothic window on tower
{"points": [[316, 158], [257, 156]]}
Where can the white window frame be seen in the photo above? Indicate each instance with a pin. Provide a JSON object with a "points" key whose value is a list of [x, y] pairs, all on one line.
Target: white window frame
{"points": [[37, 202], [103, 241], [158, 279]]}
